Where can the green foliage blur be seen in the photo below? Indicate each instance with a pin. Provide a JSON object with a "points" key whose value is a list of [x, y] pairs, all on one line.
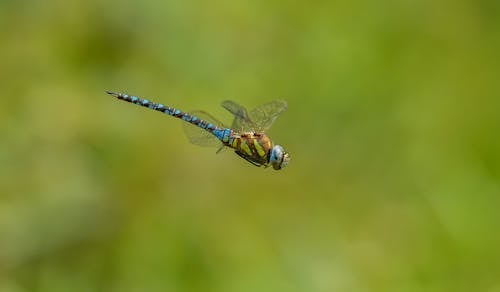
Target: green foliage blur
{"points": [[393, 126]]}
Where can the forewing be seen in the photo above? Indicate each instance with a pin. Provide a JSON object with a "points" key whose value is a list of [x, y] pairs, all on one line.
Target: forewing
{"points": [[242, 121], [199, 136], [264, 116]]}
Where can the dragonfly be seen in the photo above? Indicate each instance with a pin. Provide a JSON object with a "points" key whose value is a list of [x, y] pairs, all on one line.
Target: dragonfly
{"points": [[247, 134]]}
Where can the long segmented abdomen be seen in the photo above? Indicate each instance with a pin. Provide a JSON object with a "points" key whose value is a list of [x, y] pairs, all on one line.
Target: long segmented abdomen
{"points": [[223, 134]]}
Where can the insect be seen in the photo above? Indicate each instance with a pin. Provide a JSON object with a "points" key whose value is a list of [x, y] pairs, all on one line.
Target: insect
{"points": [[246, 135]]}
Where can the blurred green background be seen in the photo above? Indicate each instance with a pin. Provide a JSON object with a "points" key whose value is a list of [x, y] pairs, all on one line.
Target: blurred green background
{"points": [[393, 127]]}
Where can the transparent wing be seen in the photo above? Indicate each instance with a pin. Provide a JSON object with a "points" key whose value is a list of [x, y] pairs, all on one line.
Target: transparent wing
{"points": [[199, 136], [259, 119], [264, 116], [242, 121]]}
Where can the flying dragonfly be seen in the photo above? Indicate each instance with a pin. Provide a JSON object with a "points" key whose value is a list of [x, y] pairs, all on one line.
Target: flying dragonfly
{"points": [[246, 135]]}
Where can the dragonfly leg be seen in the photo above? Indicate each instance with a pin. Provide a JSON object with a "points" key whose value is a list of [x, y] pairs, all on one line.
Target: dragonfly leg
{"points": [[248, 159], [220, 149]]}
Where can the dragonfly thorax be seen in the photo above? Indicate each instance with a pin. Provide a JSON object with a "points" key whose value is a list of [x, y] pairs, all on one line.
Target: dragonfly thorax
{"points": [[257, 148]]}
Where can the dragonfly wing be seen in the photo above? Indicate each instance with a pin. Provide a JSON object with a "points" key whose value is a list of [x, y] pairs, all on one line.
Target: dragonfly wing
{"points": [[242, 121], [199, 136], [265, 115]]}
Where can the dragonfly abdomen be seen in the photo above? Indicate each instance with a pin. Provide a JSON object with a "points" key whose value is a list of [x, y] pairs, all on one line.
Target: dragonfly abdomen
{"points": [[223, 134]]}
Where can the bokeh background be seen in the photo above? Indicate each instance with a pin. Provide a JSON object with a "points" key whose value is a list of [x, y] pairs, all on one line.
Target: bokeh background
{"points": [[393, 127]]}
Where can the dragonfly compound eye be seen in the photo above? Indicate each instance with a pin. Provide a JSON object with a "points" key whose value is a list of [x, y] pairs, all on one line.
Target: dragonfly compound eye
{"points": [[279, 158]]}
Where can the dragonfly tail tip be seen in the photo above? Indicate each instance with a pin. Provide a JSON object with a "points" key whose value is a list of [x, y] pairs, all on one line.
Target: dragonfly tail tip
{"points": [[112, 93]]}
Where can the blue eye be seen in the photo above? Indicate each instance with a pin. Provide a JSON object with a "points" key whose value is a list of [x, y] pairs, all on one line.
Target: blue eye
{"points": [[279, 158]]}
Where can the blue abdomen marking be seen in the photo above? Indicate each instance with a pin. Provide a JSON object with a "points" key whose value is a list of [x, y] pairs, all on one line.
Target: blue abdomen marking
{"points": [[227, 133], [222, 134]]}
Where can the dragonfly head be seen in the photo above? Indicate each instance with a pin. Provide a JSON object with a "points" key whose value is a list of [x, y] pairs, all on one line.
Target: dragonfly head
{"points": [[279, 157]]}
